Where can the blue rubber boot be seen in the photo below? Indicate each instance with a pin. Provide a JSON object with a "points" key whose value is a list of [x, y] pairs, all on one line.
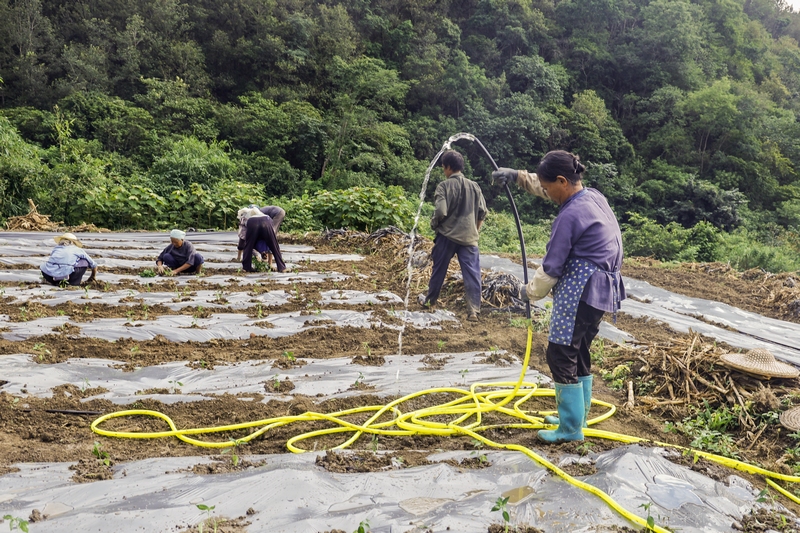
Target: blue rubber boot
{"points": [[586, 381], [569, 400]]}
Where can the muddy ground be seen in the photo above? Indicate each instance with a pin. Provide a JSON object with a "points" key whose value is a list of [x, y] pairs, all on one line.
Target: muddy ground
{"points": [[29, 434]]}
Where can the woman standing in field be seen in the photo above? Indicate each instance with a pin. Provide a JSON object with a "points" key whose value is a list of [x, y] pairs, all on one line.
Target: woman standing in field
{"points": [[582, 267]]}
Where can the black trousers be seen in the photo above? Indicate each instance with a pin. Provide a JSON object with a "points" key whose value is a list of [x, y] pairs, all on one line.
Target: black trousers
{"points": [[260, 229], [74, 278], [568, 362]]}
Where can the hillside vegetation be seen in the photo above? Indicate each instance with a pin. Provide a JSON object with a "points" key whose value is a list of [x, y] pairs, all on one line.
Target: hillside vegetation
{"points": [[149, 113]]}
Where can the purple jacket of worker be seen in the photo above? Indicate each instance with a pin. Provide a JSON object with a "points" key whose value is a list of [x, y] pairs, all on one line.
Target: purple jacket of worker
{"points": [[586, 228]]}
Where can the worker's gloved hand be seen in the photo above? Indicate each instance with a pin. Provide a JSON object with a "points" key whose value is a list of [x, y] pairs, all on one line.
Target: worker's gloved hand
{"points": [[505, 176], [523, 293]]}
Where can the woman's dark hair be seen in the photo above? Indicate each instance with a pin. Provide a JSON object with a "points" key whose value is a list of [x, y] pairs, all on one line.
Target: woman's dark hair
{"points": [[454, 160], [560, 163]]}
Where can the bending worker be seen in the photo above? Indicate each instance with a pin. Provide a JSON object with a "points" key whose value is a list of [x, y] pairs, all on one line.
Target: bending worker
{"points": [[460, 210], [257, 232], [582, 267], [180, 256], [68, 262], [276, 215]]}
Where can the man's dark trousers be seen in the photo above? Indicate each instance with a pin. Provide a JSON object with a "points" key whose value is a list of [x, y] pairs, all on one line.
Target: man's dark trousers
{"points": [[468, 257]]}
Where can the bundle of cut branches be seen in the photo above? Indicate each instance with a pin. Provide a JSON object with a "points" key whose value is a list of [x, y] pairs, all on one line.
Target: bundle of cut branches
{"points": [[501, 290], [688, 372], [33, 221]]}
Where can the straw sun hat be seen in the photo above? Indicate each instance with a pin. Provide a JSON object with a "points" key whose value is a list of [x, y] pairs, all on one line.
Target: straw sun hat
{"points": [[69, 237], [759, 363]]}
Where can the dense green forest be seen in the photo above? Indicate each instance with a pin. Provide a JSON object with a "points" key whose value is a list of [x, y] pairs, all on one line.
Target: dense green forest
{"points": [[147, 113]]}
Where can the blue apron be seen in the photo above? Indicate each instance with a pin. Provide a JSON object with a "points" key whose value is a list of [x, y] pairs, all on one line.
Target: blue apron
{"points": [[566, 297]]}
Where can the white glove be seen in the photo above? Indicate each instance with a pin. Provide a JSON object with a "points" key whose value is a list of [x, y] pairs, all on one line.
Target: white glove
{"points": [[540, 285]]}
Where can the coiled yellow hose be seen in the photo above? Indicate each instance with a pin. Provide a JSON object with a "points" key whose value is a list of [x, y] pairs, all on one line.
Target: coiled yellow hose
{"points": [[467, 411]]}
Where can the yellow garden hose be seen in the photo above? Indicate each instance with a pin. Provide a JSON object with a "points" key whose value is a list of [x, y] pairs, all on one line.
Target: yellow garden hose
{"points": [[466, 412]]}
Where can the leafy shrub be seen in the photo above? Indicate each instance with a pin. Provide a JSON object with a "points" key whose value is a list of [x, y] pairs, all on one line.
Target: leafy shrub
{"points": [[499, 234], [745, 250], [137, 206], [645, 237], [642, 236], [191, 161], [363, 208], [299, 215]]}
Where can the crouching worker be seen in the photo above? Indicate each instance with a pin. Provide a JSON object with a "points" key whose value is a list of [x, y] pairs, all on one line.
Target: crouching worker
{"points": [[180, 256], [582, 267], [259, 232], [68, 262]]}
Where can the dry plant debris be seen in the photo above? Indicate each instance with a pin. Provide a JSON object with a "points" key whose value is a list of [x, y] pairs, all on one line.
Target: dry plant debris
{"points": [[686, 371]]}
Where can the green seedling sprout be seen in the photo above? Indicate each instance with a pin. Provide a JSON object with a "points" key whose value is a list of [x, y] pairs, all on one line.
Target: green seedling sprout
{"points": [[16, 523], [464, 374], [290, 356], [207, 509], [584, 448], [102, 456], [86, 292], [147, 273], [374, 443], [651, 522], [276, 382], [86, 385], [41, 350], [367, 348], [363, 527], [60, 312], [440, 344], [481, 457], [134, 349], [175, 386], [232, 451], [359, 379], [500, 505], [259, 311]]}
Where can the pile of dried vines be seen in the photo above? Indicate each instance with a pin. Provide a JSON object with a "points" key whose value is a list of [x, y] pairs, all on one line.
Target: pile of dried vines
{"points": [[688, 372]]}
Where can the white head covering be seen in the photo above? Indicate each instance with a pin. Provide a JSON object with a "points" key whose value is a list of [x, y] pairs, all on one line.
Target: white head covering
{"points": [[177, 234], [249, 212]]}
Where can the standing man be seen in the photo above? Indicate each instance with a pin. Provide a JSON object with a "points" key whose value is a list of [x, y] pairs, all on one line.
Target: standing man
{"points": [[460, 210]]}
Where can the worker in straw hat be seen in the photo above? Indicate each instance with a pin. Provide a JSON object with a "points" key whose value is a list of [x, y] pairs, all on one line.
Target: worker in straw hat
{"points": [[180, 256], [68, 262]]}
